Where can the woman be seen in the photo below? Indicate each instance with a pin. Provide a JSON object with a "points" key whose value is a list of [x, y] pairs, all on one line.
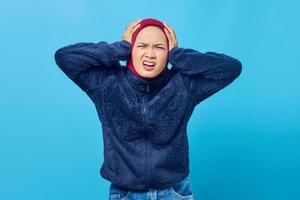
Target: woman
{"points": [[144, 107]]}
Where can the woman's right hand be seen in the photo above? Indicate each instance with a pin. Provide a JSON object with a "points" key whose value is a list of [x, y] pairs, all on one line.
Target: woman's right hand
{"points": [[127, 35]]}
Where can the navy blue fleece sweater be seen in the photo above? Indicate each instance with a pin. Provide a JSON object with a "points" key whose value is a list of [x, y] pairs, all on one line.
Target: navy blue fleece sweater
{"points": [[144, 122]]}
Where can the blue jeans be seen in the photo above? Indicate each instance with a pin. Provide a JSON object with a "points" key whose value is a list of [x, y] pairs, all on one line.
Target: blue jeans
{"points": [[182, 190]]}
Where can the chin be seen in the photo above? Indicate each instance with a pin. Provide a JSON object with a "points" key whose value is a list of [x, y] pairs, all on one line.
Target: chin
{"points": [[148, 75]]}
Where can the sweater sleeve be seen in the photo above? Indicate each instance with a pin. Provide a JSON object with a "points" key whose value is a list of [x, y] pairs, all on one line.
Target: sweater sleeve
{"points": [[206, 73], [86, 63]]}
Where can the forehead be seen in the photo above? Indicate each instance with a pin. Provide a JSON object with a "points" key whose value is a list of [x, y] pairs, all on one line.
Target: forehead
{"points": [[151, 34]]}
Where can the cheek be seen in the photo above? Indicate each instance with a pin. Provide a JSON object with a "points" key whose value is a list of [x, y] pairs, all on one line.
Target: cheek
{"points": [[162, 56], [136, 54]]}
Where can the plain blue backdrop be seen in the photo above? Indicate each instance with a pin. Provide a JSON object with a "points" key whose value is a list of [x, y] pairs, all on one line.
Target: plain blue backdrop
{"points": [[244, 140]]}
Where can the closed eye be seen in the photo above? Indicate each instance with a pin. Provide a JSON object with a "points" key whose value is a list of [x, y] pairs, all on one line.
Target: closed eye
{"points": [[145, 46]]}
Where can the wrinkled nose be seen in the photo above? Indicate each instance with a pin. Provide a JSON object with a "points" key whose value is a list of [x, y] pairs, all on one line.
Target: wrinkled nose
{"points": [[150, 54]]}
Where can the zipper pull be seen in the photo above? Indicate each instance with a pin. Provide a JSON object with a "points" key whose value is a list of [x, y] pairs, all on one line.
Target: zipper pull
{"points": [[148, 88]]}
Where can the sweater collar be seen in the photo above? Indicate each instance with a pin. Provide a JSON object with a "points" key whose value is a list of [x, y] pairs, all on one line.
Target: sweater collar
{"points": [[148, 84]]}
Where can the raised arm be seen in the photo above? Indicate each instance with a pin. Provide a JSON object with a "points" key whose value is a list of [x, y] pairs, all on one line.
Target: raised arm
{"points": [[86, 63], [207, 73]]}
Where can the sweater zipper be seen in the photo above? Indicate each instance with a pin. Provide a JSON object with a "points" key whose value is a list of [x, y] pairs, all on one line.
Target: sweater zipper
{"points": [[147, 157]]}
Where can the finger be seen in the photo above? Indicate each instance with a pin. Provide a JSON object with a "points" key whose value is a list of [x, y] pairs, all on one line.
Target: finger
{"points": [[167, 31], [168, 35], [173, 35], [171, 31], [165, 23], [135, 23], [168, 27], [135, 28]]}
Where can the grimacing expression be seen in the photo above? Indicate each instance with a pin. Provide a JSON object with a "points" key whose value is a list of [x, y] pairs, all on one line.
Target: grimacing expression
{"points": [[150, 45]]}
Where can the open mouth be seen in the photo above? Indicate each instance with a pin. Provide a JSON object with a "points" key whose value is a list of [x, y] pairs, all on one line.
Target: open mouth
{"points": [[148, 65]]}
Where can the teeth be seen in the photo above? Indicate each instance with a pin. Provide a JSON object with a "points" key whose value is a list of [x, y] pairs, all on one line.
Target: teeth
{"points": [[148, 63]]}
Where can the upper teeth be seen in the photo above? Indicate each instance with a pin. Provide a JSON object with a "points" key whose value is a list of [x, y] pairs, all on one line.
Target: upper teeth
{"points": [[149, 63]]}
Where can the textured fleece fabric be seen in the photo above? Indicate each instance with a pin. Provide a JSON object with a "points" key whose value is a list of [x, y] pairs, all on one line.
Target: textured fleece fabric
{"points": [[144, 122]]}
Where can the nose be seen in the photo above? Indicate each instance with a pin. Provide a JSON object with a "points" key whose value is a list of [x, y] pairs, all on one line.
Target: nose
{"points": [[150, 53]]}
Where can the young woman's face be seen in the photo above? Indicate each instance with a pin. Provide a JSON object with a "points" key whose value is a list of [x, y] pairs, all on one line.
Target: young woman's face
{"points": [[150, 52]]}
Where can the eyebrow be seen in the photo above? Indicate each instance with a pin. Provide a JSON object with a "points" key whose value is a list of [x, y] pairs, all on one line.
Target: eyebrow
{"points": [[154, 44]]}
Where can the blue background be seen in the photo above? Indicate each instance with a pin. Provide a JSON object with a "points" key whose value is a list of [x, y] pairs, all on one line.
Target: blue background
{"points": [[244, 140]]}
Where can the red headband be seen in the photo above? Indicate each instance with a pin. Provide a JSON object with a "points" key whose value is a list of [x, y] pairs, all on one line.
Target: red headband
{"points": [[144, 23]]}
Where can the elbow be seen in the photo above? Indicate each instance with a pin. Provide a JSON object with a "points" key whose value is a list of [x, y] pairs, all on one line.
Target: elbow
{"points": [[57, 56], [236, 68], [60, 57], [239, 67]]}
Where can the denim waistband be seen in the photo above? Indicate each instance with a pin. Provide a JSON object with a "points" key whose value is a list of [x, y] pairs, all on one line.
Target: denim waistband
{"points": [[177, 186]]}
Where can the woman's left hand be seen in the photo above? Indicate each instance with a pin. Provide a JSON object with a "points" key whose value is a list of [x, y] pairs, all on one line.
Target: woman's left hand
{"points": [[170, 32]]}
